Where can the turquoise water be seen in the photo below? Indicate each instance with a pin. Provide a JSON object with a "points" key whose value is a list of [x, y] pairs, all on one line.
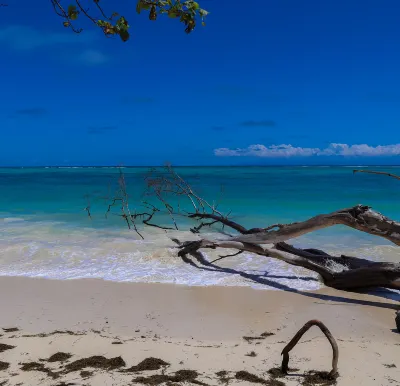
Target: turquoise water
{"points": [[45, 232]]}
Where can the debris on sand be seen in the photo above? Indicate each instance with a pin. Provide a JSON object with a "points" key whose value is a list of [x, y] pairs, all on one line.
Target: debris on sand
{"points": [[252, 378], [276, 372], [86, 374], [35, 366], [5, 347], [251, 354], [12, 329], [248, 377], [321, 378], [148, 364], [59, 357], [96, 362], [57, 332], [264, 335], [4, 366], [179, 376]]}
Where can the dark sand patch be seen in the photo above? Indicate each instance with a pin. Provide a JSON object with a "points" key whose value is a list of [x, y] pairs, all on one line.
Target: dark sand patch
{"points": [[148, 364], [96, 362], [5, 347]]}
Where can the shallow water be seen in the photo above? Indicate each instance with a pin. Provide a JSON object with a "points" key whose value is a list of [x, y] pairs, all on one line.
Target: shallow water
{"points": [[45, 232]]}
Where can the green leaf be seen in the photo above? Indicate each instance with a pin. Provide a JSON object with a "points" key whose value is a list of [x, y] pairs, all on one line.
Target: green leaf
{"points": [[66, 24], [72, 9], [203, 12], [139, 6], [72, 12], [124, 35], [153, 13]]}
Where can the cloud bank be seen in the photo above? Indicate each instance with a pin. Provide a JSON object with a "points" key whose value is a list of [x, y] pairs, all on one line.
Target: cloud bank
{"points": [[287, 151]]}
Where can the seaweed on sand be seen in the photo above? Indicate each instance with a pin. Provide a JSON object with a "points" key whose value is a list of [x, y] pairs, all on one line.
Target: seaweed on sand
{"points": [[148, 364], [252, 378], [58, 357], [35, 366], [4, 347], [180, 376], [97, 362], [321, 378]]}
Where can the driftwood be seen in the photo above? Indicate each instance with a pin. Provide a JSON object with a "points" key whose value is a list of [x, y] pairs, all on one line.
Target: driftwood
{"points": [[341, 272], [335, 357]]}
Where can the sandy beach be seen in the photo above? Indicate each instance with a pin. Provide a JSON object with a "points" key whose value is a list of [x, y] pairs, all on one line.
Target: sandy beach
{"points": [[107, 333]]}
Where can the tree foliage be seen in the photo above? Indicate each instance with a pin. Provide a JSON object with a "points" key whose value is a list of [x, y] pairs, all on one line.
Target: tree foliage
{"points": [[187, 12]]}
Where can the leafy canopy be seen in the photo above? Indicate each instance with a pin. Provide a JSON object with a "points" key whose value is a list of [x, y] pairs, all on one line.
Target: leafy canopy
{"points": [[187, 12]]}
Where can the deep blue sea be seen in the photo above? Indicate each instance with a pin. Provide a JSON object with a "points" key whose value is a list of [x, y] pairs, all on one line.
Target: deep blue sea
{"points": [[45, 231]]}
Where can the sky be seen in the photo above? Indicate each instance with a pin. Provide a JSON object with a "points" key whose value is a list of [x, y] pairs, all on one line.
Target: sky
{"points": [[264, 82]]}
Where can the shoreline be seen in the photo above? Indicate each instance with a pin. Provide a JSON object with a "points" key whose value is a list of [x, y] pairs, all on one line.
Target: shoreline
{"points": [[197, 328]]}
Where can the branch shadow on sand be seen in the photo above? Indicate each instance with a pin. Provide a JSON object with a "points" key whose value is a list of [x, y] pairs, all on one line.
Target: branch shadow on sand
{"points": [[264, 279]]}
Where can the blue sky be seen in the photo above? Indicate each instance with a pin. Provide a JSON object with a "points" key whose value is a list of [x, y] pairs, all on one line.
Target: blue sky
{"points": [[271, 82]]}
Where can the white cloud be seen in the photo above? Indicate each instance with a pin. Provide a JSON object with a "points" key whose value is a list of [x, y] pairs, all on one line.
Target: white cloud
{"points": [[92, 58], [25, 38], [334, 149]]}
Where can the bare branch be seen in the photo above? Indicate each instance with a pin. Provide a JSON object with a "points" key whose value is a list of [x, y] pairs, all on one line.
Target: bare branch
{"points": [[335, 357], [225, 256], [360, 217], [341, 272], [365, 274]]}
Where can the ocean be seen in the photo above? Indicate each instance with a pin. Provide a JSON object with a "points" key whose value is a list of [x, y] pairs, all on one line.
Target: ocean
{"points": [[46, 232]]}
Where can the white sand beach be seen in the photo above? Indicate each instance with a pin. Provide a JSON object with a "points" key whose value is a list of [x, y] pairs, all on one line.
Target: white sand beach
{"points": [[202, 329]]}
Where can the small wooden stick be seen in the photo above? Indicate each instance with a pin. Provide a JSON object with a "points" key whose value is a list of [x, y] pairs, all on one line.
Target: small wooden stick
{"points": [[297, 337]]}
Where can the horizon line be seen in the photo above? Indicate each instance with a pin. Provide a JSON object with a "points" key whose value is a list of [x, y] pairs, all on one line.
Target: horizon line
{"points": [[188, 166]]}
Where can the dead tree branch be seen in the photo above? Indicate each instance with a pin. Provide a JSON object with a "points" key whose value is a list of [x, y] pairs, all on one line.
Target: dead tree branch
{"points": [[359, 217], [177, 198], [335, 358]]}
